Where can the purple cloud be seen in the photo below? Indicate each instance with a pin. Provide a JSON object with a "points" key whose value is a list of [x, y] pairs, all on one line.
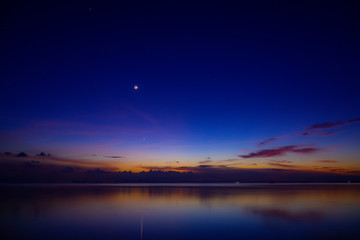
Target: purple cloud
{"points": [[328, 125], [266, 141], [327, 161], [319, 134], [281, 165], [328, 133], [113, 156], [281, 161], [281, 151], [356, 120], [207, 161]]}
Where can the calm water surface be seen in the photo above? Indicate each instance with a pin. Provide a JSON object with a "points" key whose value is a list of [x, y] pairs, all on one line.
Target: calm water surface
{"points": [[192, 211]]}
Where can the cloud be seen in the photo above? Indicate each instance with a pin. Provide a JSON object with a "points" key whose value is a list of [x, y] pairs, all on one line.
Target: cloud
{"points": [[279, 172], [171, 162], [200, 168], [319, 134], [328, 125], [207, 161], [42, 154], [327, 161], [306, 150], [97, 170], [143, 115], [113, 156], [230, 160], [22, 154], [281, 161], [281, 151], [356, 120], [328, 133], [266, 141], [281, 165]]}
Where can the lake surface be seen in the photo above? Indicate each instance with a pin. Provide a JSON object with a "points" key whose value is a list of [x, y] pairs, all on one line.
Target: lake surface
{"points": [[176, 211]]}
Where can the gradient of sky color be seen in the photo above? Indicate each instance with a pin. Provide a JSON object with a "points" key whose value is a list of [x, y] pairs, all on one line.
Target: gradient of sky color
{"points": [[218, 82]]}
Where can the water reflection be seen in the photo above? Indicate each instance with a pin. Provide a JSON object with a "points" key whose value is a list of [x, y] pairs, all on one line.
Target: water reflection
{"points": [[180, 211]]}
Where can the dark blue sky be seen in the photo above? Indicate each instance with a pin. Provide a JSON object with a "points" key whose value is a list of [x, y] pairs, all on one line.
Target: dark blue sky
{"points": [[214, 78]]}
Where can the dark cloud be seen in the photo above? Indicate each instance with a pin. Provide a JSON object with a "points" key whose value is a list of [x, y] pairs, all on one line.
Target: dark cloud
{"points": [[230, 160], [22, 154], [356, 120], [7, 153], [328, 134], [42, 154], [171, 162], [221, 173], [327, 161], [306, 150], [281, 161], [327, 125], [199, 168], [281, 165], [35, 171], [207, 161], [266, 141], [280, 151], [113, 156], [97, 170], [319, 134]]}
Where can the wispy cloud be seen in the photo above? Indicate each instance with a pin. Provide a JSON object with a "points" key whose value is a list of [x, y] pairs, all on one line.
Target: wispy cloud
{"points": [[328, 133], [230, 160], [327, 161], [142, 114], [281, 151], [199, 168], [266, 142], [113, 156], [281, 161], [206, 161], [328, 125], [319, 134], [281, 165]]}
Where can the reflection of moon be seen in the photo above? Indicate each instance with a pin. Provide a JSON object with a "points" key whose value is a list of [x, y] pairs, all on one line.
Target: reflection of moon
{"points": [[136, 87]]}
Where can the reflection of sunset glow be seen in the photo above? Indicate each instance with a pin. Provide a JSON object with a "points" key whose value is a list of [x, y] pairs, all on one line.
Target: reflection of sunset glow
{"points": [[127, 207]]}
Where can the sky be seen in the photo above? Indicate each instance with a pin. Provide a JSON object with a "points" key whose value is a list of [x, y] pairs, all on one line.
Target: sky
{"points": [[221, 86]]}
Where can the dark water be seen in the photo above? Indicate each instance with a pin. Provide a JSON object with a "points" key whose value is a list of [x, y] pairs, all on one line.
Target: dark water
{"points": [[180, 211]]}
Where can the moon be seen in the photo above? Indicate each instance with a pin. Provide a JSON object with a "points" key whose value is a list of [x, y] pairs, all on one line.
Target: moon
{"points": [[136, 87]]}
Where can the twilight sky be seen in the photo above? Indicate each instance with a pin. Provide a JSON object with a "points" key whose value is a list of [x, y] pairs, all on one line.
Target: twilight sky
{"points": [[260, 85]]}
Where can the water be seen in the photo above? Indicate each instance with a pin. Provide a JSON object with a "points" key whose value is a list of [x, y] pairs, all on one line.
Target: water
{"points": [[175, 211]]}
